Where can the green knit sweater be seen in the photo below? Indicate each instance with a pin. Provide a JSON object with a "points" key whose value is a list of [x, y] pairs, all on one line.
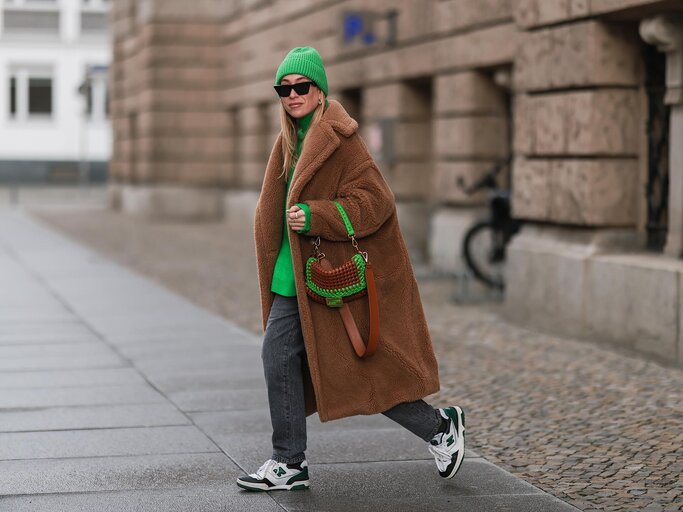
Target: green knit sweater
{"points": [[283, 275]]}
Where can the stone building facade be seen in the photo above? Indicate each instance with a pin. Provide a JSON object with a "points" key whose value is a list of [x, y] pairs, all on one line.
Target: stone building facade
{"points": [[573, 90]]}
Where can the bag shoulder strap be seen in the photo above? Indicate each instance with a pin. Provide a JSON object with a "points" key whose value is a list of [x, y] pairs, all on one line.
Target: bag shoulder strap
{"points": [[345, 218], [362, 350]]}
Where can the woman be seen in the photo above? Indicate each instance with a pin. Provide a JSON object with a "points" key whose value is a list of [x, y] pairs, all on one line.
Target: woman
{"points": [[309, 363]]}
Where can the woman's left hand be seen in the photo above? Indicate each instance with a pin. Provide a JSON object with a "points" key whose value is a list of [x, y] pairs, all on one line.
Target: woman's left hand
{"points": [[296, 218]]}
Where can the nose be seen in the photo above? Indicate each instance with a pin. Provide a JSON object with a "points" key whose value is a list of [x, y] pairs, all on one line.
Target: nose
{"points": [[293, 92]]}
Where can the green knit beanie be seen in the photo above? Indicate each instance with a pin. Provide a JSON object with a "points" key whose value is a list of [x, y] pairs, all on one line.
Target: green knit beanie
{"points": [[304, 61]]}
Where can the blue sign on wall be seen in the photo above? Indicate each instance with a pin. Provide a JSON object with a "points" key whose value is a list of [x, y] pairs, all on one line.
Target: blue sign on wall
{"points": [[362, 26], [359, 25]]}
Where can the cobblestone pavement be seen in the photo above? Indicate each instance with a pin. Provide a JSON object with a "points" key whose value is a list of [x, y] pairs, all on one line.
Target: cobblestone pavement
{"points": [[597, 428]]}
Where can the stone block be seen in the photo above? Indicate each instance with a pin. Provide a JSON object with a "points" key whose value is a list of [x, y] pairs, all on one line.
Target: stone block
{"points": [[535, 13], [632, 301], [412, 140], [184, 32], [171, 149], [252, 119], [252, 147], [194, 174], [181, 55], [597, 193], [179, 100], [587, 53], [601, 122], [186, 77], [172, 202], [195, 11], [185, 123], [486, 47], [531, 195], [413, 61], [579, 8], [397, 100], [480, 136], [447, 230], [470, 92], [251, 174], [523, 128], [460, 14], [409, 180], [680, 319], [447, 178], [239, 206], [413, 219], [545, 278], [583, 192]]}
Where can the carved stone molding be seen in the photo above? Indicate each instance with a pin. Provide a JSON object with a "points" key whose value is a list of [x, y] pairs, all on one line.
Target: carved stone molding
{"points": [[666, 32]]}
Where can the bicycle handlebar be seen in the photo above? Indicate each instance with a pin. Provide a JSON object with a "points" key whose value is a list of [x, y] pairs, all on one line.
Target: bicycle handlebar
{"points": [[486, 181]]}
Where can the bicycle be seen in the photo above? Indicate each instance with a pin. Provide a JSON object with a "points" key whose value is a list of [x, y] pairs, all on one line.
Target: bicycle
{"points": [[485, 242]]}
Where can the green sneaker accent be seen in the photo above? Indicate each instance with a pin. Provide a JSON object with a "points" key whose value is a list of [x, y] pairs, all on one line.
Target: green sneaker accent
{"points": [[450, 441], [303, 475], [279, 471]]}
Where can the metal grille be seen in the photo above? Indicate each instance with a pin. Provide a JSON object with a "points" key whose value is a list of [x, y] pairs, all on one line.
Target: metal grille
{"points": [[657, 189]]}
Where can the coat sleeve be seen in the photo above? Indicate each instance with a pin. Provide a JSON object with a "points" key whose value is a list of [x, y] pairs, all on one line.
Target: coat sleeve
{"points": [[365, 196]]}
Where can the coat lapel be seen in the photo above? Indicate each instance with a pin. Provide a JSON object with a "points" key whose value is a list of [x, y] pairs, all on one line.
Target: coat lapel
{"points": [[320, 144]]}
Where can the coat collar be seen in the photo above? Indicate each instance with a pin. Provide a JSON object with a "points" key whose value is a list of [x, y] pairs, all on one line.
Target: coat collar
{"points": [[321, 141]]}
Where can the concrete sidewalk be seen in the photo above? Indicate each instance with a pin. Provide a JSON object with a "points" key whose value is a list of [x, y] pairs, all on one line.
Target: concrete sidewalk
{"points": [[116, 394]]}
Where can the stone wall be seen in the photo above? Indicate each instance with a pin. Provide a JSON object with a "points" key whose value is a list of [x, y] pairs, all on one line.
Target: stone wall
{"points": [[446, 89], [170, 124]]}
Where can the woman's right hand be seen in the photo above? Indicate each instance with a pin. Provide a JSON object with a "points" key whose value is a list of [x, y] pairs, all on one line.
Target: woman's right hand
{"points": [[296, 218]]}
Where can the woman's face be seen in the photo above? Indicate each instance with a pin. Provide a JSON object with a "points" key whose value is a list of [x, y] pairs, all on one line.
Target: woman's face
{"points": [[299, 106]]}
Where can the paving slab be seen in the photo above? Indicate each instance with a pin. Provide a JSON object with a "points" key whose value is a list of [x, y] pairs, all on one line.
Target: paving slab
{"points": [[104, 443], [342, 446], [190, 345], [225, 497], [67, 349], [69, 378], [115, 435], [99, 416], [20, 333], [114, 473], [412, 486], [73, 362], [92, 395], [220, 399], [242, 356], [233, 378]]}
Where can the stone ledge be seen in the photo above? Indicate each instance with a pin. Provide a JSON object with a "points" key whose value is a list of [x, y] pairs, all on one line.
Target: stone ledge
{"points": [[568, 282], [168, 202]]}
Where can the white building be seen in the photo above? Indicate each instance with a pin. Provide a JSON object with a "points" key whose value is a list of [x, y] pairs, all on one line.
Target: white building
{"points": [[54, 55]]}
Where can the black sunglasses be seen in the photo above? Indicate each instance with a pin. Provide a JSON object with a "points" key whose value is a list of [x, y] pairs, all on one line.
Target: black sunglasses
{"points": [[300, 88]]}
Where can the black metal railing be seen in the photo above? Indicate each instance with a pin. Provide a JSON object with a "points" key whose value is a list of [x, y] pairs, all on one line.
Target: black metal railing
{"points": [[657, 188]]}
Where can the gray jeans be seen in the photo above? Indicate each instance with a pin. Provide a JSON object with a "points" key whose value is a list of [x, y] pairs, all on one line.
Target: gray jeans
{"points": [[284, 357]]}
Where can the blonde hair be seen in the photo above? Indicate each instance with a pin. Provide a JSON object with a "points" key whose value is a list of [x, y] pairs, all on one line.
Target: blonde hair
{"points": [[289, 136]]}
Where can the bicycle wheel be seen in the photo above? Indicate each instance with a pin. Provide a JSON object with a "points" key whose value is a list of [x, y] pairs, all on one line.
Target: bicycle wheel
{"points": [[483, 250]]}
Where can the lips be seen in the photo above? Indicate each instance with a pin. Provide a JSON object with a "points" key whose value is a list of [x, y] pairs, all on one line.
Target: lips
{"points": [[295, 105]]}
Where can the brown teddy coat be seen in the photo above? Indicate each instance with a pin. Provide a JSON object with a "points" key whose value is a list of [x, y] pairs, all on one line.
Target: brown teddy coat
{"points": [[335, 165]]}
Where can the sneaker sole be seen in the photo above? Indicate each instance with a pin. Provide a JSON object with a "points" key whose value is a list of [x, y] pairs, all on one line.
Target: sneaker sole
{"points": [[461, 435], [296, 486]]}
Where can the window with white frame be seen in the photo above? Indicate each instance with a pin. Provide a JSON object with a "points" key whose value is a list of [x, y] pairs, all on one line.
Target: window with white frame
{"points": [[30, 93]]}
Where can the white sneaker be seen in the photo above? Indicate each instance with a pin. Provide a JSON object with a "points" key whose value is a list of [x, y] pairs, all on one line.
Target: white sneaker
{"points": [[276, 476], [449, 448]]}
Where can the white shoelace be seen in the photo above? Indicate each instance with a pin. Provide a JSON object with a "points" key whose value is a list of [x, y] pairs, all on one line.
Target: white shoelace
{"points": [[441, 454], [265, 469]]}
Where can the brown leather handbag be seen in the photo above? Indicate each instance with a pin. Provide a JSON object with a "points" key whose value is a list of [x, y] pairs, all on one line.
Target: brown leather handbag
{"points": [[352, 280]]}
